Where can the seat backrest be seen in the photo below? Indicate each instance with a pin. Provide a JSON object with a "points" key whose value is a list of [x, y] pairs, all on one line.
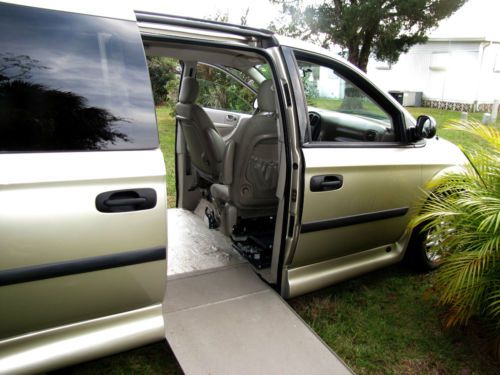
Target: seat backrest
{"points": [[204, 143], [254, 151]]}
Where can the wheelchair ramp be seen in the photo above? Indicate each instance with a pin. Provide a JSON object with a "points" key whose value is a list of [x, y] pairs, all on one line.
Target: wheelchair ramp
{"points": [[228, 321]]}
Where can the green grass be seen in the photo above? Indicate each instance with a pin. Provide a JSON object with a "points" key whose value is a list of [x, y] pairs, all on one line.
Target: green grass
{"points": [[166, 130], [385, 322], [443, 118]]}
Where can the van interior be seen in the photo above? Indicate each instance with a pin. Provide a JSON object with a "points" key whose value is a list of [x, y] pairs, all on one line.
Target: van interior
{"points": [[229, 163]]}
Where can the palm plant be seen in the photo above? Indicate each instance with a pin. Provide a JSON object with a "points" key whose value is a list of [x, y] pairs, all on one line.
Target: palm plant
{"points": [[463, 212]]}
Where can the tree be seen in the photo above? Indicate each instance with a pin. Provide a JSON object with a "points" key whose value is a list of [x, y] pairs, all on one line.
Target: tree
{"points": [[244, 17], [17, 67], [164, 74], [218, 90], [384, 28]]}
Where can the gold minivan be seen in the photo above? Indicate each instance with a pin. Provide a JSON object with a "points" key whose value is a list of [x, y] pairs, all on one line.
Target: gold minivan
{"points": [[287, 158]]}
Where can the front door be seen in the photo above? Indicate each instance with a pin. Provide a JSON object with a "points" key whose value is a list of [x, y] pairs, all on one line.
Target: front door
{"points": [[360, 177]]}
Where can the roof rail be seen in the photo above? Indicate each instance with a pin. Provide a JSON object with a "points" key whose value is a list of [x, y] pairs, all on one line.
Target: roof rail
{"points": [[245, 31]]}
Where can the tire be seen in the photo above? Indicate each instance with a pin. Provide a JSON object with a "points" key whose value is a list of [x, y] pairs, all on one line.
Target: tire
{"points": [[418, 255]]}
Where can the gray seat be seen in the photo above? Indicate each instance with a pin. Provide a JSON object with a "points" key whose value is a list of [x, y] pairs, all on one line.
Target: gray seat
{"points": [[204, 143], [251, 164]]}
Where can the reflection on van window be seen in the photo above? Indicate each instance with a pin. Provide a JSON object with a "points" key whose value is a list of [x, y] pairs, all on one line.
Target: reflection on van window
{"points": [[72, 82]]}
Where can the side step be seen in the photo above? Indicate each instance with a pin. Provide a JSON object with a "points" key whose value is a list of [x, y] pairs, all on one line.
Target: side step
{"points": [[228, 321]]}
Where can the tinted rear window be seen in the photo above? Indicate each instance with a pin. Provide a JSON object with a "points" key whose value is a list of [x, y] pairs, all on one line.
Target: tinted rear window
{"points": [[71, 82]]}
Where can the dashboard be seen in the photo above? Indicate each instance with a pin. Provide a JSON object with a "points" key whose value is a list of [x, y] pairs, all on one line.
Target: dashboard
{"points": [[335, 126]]}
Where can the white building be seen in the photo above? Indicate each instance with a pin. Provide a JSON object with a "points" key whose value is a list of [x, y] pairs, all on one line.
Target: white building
{"points": [[458, 68]]}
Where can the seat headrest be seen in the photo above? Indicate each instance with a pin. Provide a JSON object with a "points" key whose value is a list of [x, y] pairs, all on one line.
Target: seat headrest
{"points": [[266, 97], [189, 90]]}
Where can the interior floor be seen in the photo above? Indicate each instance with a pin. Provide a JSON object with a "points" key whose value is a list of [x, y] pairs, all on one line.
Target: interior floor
{"points": [[192, 246]]}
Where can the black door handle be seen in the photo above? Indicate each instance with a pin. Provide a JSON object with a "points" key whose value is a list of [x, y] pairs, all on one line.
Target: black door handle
{"points": [[126, 200], [326, 182]]}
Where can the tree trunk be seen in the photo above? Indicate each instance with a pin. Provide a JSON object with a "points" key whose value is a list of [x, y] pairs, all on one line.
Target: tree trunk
{"points": [[357, 58], [359, 54], [353, 54], [364, 54], [362, 63]]}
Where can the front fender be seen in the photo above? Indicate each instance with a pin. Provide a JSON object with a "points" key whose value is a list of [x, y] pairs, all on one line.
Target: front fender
{"points": [[441, 157]]}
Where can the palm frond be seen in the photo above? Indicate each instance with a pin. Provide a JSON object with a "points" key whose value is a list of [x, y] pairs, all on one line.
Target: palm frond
{"points": [[488, 134], [463, 209]]}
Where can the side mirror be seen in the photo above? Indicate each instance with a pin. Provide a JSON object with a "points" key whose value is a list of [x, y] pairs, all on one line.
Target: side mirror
{"points": [[426, 127]]}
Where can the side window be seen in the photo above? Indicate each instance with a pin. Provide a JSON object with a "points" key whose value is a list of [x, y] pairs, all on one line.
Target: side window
{"points": [[72, 82], [221, 90], [339, 111]]}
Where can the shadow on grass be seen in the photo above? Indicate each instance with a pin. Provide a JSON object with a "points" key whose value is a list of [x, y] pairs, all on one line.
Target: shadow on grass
{"points": [[156, 358]]}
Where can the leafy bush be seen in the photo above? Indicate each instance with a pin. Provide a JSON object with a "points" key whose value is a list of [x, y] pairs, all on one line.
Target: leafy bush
{"points": [[220, 91], [164, 74], [463, 210]]}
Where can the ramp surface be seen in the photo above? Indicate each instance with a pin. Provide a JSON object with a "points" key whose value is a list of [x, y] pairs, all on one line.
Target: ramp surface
{"points": [[228, 321], [192, 246]]}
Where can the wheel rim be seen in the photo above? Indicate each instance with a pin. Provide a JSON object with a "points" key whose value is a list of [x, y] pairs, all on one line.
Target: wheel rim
{"points": [[430, 251], [433, 245]]}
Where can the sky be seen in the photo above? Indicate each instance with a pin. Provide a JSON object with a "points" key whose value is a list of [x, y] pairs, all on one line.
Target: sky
{"points": [[261, 12], [474, 18], [477, 18]]}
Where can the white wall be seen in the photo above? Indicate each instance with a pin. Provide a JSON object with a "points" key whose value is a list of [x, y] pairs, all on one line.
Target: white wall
{"points": [[329, 84], [489, 84], [449, 71]]}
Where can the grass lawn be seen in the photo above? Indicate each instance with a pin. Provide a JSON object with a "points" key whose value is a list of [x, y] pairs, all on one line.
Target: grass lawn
{"points": [[166, 130], [385, 322], [444, 117]]}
